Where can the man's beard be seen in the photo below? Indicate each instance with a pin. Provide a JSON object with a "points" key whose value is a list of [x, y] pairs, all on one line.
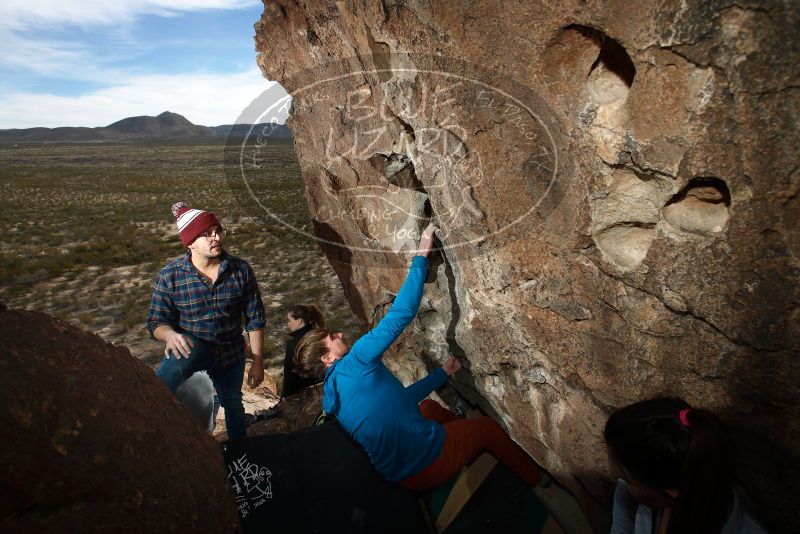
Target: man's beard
{"points": [[215, 253]]}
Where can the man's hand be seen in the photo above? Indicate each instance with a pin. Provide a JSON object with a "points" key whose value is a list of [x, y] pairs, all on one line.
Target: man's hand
{"points": [[256, 373], [178, 345], [426, 240], [451, 366]]}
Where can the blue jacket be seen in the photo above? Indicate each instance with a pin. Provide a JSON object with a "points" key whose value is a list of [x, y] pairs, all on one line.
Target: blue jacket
{"points": [[373, 406]]}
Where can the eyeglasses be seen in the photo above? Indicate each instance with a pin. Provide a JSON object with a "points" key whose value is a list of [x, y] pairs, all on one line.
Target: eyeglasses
{"points": [[209, 234]]}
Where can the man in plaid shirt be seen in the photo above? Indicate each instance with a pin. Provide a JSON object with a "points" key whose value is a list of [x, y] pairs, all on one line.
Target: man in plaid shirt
{"points": [[200, 303]]}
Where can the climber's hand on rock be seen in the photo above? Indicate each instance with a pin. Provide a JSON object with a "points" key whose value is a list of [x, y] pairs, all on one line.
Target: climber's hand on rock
{"points": [[451, 366], [426, 240], [178, 345]]}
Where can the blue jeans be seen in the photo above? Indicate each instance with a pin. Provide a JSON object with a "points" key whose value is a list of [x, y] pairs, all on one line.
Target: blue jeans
{"points": [[228, 382]]}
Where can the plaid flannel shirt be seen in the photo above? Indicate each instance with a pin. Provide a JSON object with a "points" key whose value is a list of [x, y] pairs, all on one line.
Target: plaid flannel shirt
{"points": [[185, 301]]}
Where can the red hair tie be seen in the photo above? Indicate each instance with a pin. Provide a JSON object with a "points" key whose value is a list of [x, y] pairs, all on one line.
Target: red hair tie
{"points": [[683, 415]]}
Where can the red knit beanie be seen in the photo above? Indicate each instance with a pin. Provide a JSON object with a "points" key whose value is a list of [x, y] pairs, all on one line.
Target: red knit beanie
{"points": [[191, 222]]}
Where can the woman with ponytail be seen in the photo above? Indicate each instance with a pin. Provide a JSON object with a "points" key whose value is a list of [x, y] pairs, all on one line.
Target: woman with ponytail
{"points": [[677, 471], [299, 321]]}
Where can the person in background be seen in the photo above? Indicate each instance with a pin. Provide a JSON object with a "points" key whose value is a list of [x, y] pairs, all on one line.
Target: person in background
{"points": [[677, 471], [420, 446], [200, 302], [299, 320]]}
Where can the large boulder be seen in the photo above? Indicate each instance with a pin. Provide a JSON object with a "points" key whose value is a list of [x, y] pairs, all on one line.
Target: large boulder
{"points": [[617, 187], [93, 442]]}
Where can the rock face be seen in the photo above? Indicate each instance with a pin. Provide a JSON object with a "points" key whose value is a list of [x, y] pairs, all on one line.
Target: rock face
{"points": [[93, 442], [617, 187]]}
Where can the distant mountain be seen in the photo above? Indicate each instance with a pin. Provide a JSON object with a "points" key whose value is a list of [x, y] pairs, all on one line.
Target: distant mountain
{"points": [[166, 127]]}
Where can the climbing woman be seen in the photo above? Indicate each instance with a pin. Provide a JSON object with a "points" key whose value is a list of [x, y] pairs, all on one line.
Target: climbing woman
{"points": [[299, 320], [420, 446], [677, 471]]}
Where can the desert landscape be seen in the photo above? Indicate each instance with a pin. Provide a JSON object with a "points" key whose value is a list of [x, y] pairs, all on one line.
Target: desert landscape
{"points": [[87, 227]]}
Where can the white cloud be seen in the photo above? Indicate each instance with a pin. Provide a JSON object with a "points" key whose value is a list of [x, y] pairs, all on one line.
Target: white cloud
{"points": [[45, 56], [20, 14], [207, 99], [31, 47], [33, 50]]}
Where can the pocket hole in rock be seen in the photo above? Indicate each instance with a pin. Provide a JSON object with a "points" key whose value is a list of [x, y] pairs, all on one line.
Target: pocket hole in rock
{"points": [[703, 206], [398, 170], [580, 55], [612, 73]]}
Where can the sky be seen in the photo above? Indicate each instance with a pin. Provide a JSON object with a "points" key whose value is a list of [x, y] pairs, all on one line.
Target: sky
{"points": [[93, 62]]}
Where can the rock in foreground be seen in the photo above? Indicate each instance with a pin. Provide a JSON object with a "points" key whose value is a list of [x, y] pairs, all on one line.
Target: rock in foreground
{"points": [[92, 442]]}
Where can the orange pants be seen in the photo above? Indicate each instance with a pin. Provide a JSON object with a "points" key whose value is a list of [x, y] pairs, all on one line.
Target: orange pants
{"points": [[464, 440]]}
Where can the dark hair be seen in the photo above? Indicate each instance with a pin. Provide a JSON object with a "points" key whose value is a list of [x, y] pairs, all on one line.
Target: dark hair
{"points": [[309, 352], [649, 440], [309, 313]]}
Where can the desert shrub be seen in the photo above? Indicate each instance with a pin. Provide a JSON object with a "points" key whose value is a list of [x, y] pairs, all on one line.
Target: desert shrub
{"points": [[108, 207], [134, 312]]}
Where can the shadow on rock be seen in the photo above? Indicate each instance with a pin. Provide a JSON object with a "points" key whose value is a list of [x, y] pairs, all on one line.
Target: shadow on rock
{"points": [[93, 442]]}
